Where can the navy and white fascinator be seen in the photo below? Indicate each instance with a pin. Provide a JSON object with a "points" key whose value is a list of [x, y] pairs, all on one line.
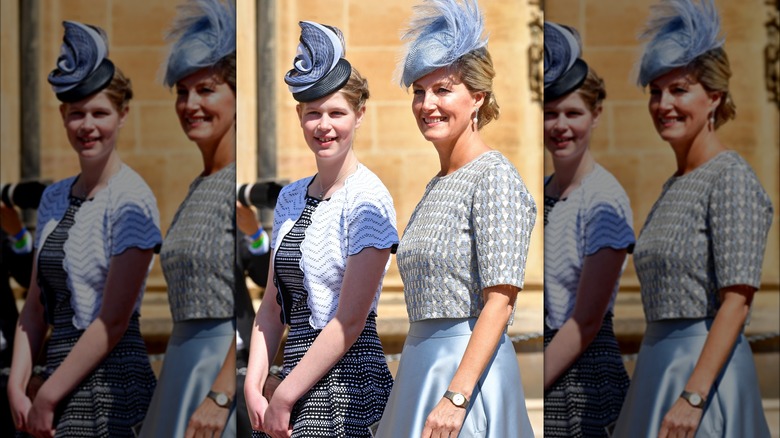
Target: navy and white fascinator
{"points": [[83, 67], [564, 70], [439, 33], [678, 32], [319, 67], [203, 33]]}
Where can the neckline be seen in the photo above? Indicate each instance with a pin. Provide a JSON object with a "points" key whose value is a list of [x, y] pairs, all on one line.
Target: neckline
{"points": [[720, 155], [479, 157], [98, 193], [596, 168], [343, 184]]}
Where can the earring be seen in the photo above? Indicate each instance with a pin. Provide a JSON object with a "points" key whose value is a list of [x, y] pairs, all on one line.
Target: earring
{"points": [[475, 120], [711, 122]]}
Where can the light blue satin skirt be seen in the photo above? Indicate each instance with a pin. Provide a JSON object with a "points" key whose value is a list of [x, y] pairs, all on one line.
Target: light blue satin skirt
{"points": [[666, 360], [430, 357], [195, 353]]}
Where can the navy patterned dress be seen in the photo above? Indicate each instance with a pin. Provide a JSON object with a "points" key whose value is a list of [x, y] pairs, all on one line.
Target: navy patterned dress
{"points": [[352, 395], [115, 395]]}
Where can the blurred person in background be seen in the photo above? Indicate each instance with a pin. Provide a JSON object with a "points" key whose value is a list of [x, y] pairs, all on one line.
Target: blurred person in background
{"points": [[95, 239], [587, 225], [195, 395]]}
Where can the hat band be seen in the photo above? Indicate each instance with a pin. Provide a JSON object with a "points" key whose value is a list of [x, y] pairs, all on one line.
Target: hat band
{"points": [[568, 82], [330, 83], [94, 82]]}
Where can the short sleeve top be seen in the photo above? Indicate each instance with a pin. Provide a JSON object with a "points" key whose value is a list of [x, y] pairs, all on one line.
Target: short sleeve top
{"points": [[359, 215], [122, 215], [470, 231], [595, 215], [706, 231], [198, 254]]}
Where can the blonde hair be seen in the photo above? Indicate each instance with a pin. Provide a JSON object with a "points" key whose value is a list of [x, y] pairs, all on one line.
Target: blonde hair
{"points": [[713, 71], [119, 91], [593, 90], [476, 72], [356, 90]]}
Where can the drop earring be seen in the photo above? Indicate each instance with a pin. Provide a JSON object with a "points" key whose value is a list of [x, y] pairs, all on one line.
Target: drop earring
{"points": [[475, 119], [711, 122]]}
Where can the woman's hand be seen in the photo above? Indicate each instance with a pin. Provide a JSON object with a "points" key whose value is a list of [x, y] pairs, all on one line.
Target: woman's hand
{"points": [[445, 420], [256, 406], [208, 420], [20, 407], [682, 420], [246, 220], [277, 418], [40, 420]]}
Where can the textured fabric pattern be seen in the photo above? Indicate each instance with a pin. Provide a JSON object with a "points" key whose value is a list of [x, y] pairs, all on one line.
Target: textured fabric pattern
{"points": [[199, 250], [588, 396], [359, 215], [595, 215], [352, 395], [707, 230], [120, 216], [470, 231], [115, 395]]}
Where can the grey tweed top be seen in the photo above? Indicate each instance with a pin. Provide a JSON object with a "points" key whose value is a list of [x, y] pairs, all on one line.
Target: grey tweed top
{"points": [[470, 231], [198, 252], [707, 230]]}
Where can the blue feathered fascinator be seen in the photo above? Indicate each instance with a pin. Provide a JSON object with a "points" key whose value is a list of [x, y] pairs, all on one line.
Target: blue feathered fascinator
{"points": [[203, 33], [439, 33], [83, 67], [678, 32], [319, 67]]}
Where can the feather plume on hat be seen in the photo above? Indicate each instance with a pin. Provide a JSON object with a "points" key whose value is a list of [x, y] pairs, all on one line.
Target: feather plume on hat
{"points": [[203, 33], [678, 32], [439, 33]]}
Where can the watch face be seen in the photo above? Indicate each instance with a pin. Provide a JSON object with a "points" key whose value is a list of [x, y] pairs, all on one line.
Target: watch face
{"points": [[458, 399], [695, 399], [222, 399]]}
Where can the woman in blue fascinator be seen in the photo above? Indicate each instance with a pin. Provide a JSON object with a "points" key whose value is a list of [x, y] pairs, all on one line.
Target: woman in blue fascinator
{"points": [[96, 236], [463, 253], [587, 225], [195, 394], [332, 238], [699, 254]]}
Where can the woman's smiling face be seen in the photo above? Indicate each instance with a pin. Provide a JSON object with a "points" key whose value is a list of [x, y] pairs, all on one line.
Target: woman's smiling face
{"points": [[443, 106], [329, 125], [568, 125]]}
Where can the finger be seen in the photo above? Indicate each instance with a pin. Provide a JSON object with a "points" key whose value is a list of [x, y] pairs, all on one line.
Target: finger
{"points": [[190, 432]]}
